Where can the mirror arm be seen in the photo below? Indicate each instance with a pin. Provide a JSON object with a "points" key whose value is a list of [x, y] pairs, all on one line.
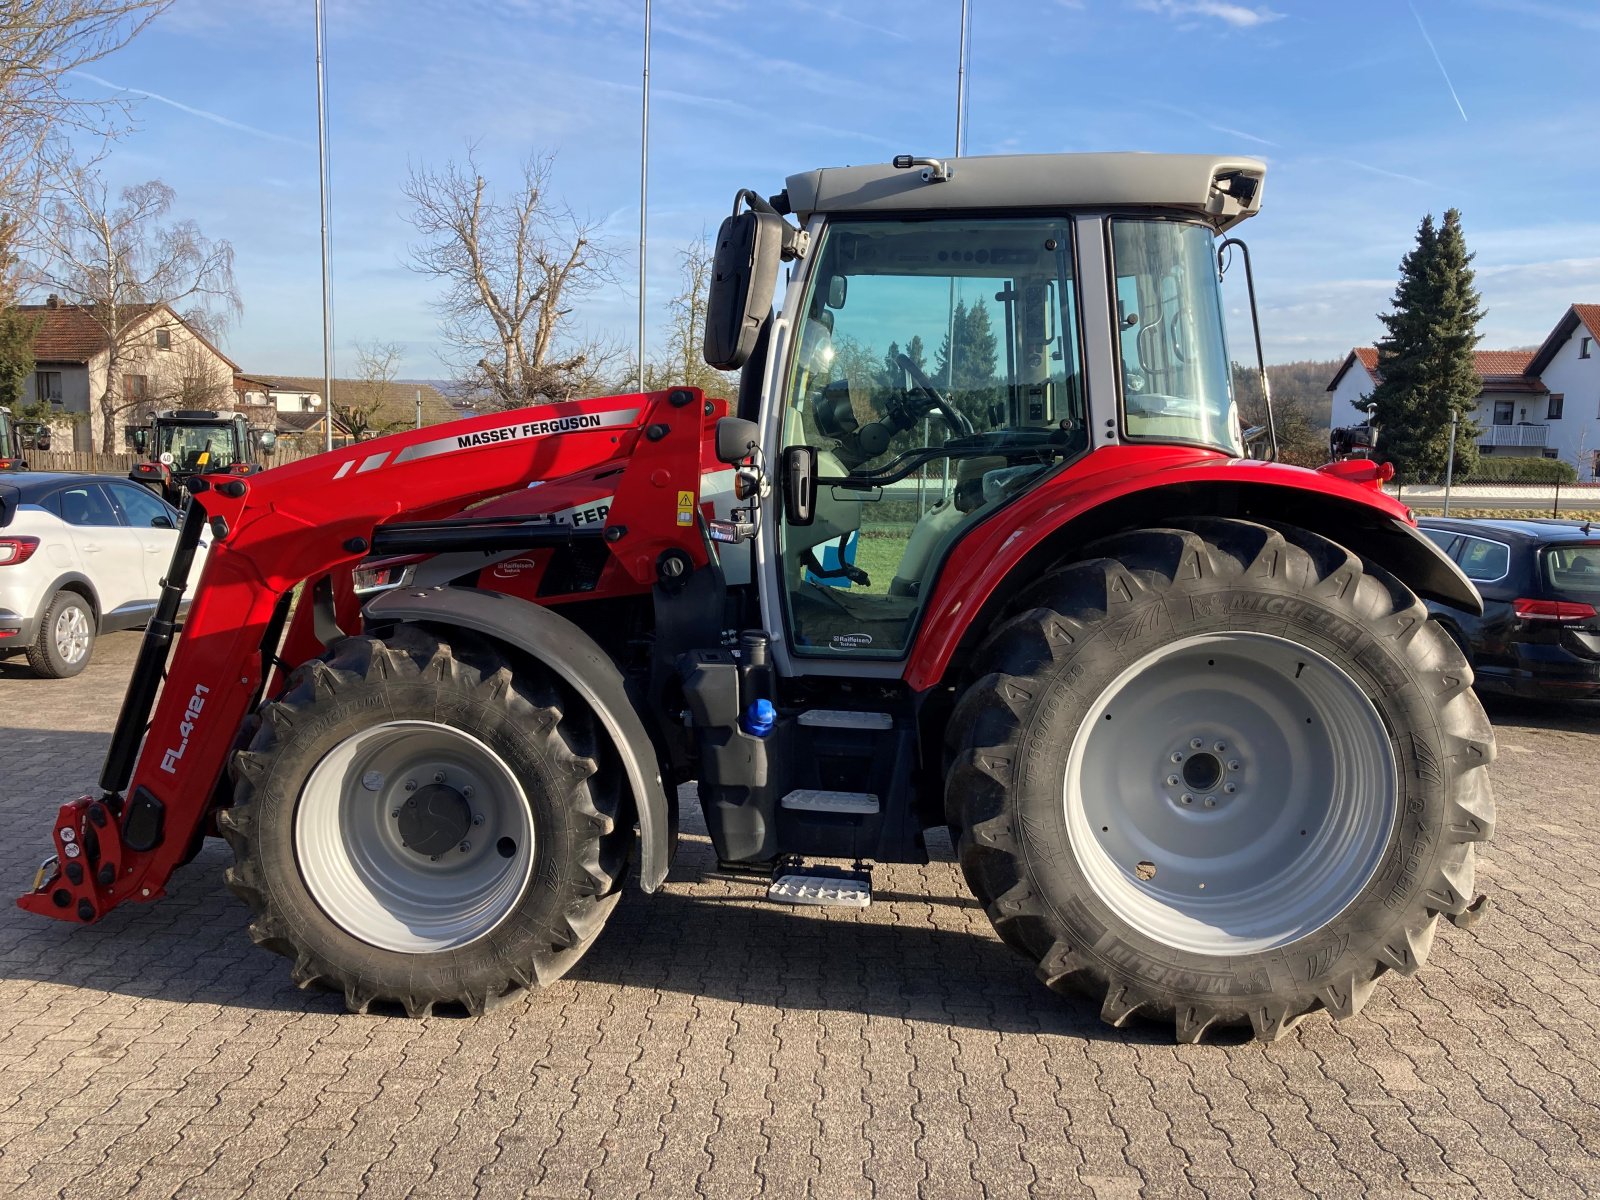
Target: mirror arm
{"points": [[1255, 325]]}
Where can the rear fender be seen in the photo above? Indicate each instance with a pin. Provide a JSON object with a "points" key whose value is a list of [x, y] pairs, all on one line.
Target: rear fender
{"points": [[1132, 488], [573, 655]]}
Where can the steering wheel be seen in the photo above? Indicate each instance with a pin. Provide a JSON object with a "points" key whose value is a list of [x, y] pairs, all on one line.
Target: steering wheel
{"points": [[953, 416]]}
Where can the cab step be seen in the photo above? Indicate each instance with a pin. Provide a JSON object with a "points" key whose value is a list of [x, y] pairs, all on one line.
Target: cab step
{"points": [[839, 718], [819, 800], [828, 887]]}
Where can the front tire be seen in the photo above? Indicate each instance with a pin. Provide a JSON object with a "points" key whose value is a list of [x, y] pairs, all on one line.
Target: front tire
{"points": [[415, 824], [65, 640], [1223, 775]]}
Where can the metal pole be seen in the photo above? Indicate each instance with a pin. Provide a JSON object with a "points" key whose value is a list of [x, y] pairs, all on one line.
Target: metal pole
{"points": [[644, 183], [327, 283], [1450, 463], [419, 408], [961, 84]]}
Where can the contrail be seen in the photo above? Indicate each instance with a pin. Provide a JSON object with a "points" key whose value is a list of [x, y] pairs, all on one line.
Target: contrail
{"points": [[217, 118], [1437, 59]]}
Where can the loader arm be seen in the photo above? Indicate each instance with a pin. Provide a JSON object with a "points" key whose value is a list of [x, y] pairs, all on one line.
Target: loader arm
{"points": [[307, 523]]}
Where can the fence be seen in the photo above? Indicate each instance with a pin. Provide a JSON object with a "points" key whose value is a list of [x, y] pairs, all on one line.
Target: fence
{"points": [[1535, 499], [121, 464]]}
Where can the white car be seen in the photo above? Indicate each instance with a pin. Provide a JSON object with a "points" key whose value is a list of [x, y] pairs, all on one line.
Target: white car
{"points": [[80, 555]]}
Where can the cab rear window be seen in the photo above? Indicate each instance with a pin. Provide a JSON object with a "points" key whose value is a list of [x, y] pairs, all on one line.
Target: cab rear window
{"points": [[1572, 568]]}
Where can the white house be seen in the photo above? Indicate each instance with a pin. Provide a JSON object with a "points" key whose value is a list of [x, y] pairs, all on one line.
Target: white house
{"points": [[1568, 364], [1544, 402], [163, 363]]}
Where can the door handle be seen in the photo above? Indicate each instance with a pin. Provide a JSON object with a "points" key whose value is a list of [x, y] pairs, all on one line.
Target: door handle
{"points": [[92, 547]]}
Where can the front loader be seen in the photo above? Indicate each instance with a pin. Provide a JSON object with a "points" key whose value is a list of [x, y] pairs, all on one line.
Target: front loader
{"points": [[978, 544]]}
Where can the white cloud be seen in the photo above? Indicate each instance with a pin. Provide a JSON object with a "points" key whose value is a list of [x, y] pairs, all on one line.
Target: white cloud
{"points": [[1239, 16]]}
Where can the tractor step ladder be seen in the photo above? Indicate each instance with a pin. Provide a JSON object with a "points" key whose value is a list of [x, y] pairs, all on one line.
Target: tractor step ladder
{"points": [[831, 887], [819, 800], [838, 718]]}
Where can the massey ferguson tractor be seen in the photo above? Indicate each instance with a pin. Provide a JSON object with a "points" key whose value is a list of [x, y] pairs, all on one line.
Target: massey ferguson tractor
{"points": [[196, 441], [978, 544]]}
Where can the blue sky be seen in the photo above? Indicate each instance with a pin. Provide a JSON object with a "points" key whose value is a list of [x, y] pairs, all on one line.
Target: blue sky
{"points": [[1369, 113]]}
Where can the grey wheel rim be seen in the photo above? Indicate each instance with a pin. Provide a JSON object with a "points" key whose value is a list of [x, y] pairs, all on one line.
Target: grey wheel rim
{"points": [[414, 837], [71, 634], [1230, 793]]}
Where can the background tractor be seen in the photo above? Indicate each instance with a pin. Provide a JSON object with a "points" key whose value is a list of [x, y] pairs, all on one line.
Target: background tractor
{"points": [[196, 441], [17, 438], [976, 545]]}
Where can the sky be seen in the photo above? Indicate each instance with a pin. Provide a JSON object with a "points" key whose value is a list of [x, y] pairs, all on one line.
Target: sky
{"points": [[1369, 114]]}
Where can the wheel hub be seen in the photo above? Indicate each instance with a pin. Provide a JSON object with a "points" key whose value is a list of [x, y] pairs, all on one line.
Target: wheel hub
{"points": [[415, 836], [1260, 811], [435, 820]]}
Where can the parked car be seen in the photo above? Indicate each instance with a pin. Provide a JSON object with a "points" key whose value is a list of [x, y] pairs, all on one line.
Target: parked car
{"points": [[80, 555], [1539, 636]]}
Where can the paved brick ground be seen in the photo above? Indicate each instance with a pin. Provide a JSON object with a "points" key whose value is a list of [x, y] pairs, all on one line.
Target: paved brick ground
{"points": [[713, 1045]]}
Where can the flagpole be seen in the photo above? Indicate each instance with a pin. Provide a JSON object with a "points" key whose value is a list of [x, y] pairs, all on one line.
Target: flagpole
{"points": [[327, 283], [644, 183]]}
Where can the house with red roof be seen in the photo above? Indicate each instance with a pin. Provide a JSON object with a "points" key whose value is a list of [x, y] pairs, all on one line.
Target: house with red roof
{"points": [[164, 363], [1543, 402]]}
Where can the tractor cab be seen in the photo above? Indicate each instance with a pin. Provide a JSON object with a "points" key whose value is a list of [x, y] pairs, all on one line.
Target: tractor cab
{"points": [[189, 442], [19, 437], [950, 335]]}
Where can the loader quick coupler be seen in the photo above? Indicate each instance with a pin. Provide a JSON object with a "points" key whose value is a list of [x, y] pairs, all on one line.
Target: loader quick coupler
{"points": [[83, 870]]}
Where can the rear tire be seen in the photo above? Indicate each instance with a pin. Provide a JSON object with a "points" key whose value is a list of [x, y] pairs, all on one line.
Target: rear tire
{"points": [[65, 641], [414, 824], [1355, 751]]}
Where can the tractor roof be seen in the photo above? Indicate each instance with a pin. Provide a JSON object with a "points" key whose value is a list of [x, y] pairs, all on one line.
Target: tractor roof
{"points": [[1220, 190]]}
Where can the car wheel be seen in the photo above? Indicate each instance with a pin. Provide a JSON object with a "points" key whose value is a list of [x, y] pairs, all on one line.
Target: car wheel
{"points": [[65, 639]]}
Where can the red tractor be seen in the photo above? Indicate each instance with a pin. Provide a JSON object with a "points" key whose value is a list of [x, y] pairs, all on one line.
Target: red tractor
{"points": [[979, 545]]}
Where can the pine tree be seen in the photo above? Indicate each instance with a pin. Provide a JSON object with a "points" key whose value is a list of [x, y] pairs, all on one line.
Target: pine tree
{"points": [[16, 362], [1426, 361], [968, 376]]}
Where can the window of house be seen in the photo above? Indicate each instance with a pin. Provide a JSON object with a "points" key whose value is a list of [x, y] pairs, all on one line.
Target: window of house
{"points": [[47, 386], [135, 388], [1583, 347], [163, 339], [1503, 412], [1557, 401]]}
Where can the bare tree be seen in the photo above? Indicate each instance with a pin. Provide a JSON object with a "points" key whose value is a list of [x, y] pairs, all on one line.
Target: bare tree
{"points": [[513, 267], [41, 43], [684, 364], [363, 399], [117, 258]]}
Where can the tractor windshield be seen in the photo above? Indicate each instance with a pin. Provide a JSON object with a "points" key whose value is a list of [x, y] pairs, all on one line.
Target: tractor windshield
{"points": [[198, 447], [938, 372], [1175, 378]]}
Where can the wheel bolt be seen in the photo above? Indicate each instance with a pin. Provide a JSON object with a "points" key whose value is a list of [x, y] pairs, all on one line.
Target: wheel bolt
{"points": [[433, 858], [466, 793], [394, 812], [438, 776], [1230, 788], [1221, 746], [411, 785], [1195, 743], [1233, 764], [1176, 757], [1186, 798], [477, 818], [1172, 781], [1211, 801], [465, 846]]}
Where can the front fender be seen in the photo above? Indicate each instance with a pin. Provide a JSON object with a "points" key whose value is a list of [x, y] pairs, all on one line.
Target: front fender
{"points": [[574, 656], [1129, 487]]}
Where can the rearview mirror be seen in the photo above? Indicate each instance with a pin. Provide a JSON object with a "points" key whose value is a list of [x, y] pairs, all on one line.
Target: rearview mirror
{"points": [[744, 273], [139, 440], [269, 439], [161, 521], [800, 485], [736, 439]]}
